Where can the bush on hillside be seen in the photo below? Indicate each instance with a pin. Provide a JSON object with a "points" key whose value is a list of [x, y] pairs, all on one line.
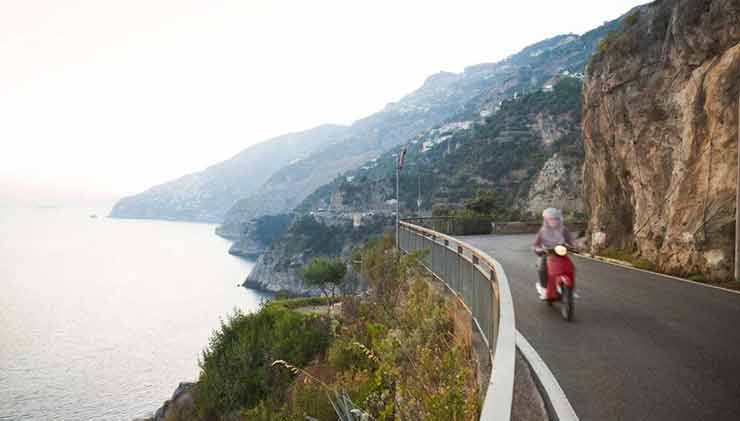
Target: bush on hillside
{"points": [[235, 368]]}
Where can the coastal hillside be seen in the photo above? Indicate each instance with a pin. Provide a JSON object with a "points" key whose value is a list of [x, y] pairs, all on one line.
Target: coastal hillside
{"points": [[529, 153], [660, 129], [205, 196], [440, 97], [444, 99], [520, 138], [277, 268], [299, 359]]}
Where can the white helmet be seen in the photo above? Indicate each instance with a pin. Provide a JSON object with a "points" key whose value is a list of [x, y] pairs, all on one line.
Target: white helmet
{"points": [[552, 213]]}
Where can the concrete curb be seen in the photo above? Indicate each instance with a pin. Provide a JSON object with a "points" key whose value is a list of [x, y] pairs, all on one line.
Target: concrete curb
{"points": [[555, 398], [615, 262]]}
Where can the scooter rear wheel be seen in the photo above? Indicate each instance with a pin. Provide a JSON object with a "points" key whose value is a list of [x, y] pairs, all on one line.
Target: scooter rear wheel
{"points": [[567, 308]]}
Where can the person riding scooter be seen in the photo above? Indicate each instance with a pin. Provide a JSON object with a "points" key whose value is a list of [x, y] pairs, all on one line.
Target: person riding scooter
{"points": [[552, 233]]}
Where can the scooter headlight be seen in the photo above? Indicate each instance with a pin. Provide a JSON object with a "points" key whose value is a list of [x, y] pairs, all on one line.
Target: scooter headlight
{"points": [[561, 250]]}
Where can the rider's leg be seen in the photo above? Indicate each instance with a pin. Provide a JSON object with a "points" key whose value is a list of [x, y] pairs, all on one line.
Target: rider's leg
{"points": [[543, 271]]}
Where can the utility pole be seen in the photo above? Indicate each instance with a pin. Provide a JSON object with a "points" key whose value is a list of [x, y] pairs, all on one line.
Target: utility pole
{"points": [[398, 197], [418, 200], [737, 198]]}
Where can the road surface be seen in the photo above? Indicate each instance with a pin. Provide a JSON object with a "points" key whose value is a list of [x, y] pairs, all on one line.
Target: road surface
{"points": [[641, 346]]}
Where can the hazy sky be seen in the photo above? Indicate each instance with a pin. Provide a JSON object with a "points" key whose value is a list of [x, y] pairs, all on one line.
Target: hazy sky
{"points": [[104, 98]]}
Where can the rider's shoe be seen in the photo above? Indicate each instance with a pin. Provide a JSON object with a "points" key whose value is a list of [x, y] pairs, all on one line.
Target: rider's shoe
{"points": [[541, 291]]}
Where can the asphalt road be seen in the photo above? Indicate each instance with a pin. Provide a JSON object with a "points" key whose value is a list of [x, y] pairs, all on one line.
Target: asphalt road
{"points": [[641, 346]]}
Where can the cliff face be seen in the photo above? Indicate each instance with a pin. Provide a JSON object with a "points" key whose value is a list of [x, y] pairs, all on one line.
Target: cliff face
{"points": [[660, 131], [307, 237], [276, 271], [558, 185]]}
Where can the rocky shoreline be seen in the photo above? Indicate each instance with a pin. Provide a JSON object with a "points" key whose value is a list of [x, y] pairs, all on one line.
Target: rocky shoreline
{"points": [[267, 277], [181, 404]]}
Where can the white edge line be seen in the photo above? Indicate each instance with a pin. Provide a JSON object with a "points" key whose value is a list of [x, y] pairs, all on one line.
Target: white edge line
{"points": [[563, 409], [664, 275]]}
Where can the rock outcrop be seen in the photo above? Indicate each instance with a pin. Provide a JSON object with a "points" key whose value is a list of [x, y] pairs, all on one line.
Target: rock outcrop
{"points": [[660, 128], [277, 268], [181, 406], [276, 271], [558, 185]]}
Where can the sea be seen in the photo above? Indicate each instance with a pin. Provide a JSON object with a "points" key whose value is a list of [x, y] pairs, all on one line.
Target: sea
{"points": [[101, 318]]}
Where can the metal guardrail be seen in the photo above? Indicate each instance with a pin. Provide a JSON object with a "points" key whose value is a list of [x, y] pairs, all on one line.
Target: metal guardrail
{"points": [[454, 225], [481, 284]]}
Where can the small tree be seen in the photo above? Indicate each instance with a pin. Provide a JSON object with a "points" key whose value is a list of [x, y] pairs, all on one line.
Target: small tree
{"points": [[484, 203], [325, 274]]}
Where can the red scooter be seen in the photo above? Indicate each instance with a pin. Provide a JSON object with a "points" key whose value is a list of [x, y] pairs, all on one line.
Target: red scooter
{"points": [[561, 280]]}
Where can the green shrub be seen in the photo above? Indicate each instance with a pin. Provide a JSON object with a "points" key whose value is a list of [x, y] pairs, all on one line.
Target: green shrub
{"points": [[293, 303], [633, 19], [616, 253], [345, 354], [269, 410], [235, 368], [697, 277], [644, 264], [310, 399]]}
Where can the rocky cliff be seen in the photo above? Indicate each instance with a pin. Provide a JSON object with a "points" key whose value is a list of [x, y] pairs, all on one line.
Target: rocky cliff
{"points": [[558, 184], [307, 237], [660, 128]]}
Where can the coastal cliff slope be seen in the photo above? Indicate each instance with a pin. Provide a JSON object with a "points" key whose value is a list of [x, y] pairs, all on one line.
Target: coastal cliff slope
{"points": [[529, 152], [205, 196], [660, 130], [440, 97]]}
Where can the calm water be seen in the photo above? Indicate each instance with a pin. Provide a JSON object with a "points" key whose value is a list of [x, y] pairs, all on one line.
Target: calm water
{"points": [[101, 318]]}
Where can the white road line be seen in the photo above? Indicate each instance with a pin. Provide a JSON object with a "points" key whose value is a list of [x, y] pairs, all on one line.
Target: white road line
{"points": [[561, 406], [676, 278]]}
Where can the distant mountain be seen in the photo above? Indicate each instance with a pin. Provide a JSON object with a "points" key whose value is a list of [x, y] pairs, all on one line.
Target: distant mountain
{"points": [[206, 196], [276, 176], [440, 97]]}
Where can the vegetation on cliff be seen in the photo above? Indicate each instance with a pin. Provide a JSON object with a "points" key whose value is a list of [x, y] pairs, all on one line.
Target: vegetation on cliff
{"points": [[376, 355], [308, 237], [503, 154]]}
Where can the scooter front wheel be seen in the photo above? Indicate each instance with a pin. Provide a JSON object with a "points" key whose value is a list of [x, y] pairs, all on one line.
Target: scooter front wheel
{"points": [[567, 308]]}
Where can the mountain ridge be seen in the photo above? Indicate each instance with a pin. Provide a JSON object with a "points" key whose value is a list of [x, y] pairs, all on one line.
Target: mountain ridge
{"points": [[205, 196]]}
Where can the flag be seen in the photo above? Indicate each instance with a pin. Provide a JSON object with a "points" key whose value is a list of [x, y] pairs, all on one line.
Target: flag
{"points": [[401, 158]]}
